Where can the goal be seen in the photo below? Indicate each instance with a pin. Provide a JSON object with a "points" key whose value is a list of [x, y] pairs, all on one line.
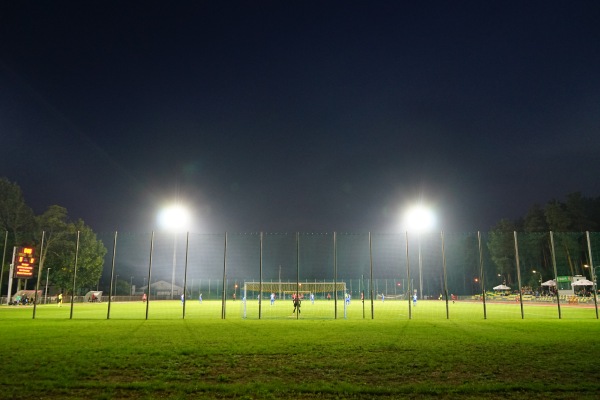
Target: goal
{"points": [[283, 290]]}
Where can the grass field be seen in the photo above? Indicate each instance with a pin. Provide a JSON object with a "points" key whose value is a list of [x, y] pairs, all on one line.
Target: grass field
{"points": [[316, 356]]}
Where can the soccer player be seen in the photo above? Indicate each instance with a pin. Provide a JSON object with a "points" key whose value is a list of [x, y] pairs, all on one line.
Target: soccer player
{"points": [[272, 298], [200, 298], [415, 299], [297, 302], [312, 298]]}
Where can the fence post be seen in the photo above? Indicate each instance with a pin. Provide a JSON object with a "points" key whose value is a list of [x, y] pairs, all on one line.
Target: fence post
{"points": [[335, 275], [112, 272], [149, 273], [37, 286], [445, 276], [74, 275], [260, 274], [593, 268], [519, 274], [224, 293], [555, 272], [371, 263], [481, 274], [408, 279], [187, 246]]}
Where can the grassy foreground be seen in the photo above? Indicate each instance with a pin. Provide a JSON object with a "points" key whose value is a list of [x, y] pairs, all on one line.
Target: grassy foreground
{"points": [[289, 358]]}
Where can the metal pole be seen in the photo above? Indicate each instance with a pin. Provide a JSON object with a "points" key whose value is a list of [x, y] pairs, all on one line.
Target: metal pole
{"points": [[298, 273], [594, 287], [260, 275], [335, 274], [371, 267], [112, 272], [408, 279], [74, 275], [519, 274], [420, 267], [555, 272], [224, 294], [149, 274], [187, 245], [3, 260], [445, 277], [481, 274], [37, 286], [10, 276]]}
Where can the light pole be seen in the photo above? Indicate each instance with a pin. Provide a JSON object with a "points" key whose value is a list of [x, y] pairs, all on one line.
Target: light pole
{"points": [[174, 218], [46, 291], [420, 219]]}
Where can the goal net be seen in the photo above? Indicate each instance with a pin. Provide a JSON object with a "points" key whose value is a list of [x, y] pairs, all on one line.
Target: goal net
{"points": [[283, 290]]}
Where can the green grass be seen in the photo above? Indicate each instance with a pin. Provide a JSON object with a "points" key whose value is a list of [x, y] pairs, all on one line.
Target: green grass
{"points": [[278, 357]]}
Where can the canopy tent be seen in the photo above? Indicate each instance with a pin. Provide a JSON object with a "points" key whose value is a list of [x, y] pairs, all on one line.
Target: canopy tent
{"points": [[582, 282], [501, 287], [551, 282]]}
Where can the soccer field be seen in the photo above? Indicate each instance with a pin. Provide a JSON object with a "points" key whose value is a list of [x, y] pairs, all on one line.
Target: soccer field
{"points": [[320, 309], [315, 356]]}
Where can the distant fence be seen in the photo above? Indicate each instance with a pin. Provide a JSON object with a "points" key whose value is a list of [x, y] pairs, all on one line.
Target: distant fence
{"points": [[515, 268]]}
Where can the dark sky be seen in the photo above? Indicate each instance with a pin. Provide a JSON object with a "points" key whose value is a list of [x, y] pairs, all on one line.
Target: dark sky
{"points": [[299, 115]]}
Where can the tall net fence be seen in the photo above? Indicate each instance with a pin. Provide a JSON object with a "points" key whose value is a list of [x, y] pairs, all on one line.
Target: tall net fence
{"points": [[306, 275]]}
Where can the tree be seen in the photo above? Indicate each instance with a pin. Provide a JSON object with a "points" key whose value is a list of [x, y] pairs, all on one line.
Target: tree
{"points": [[535, 220], [501, 245], [15, 216], [534, 243], [557, 217], [90, 258], [575, 208], [59, 254]]}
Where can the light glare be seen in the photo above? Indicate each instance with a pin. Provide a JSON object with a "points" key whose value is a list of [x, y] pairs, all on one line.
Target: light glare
{"points": [[174, 218], [420, 219]]}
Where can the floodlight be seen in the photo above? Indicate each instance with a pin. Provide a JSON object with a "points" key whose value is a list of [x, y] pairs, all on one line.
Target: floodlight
{"points": [[174, 218], [420, 218]]}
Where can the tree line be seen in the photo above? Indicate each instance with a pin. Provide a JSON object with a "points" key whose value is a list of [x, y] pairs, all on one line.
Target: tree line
{"points": [[568, 220], [59, 240]]}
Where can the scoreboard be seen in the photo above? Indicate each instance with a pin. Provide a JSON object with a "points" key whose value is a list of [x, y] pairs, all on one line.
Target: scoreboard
{"points": [[24, 263]]}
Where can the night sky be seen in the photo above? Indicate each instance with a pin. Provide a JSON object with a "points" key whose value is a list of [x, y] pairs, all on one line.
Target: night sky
{"points": [[311, 116]]}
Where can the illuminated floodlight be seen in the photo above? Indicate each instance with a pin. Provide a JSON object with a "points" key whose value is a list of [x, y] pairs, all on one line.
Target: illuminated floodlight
{"points": [[174, 218], [419, 218]]}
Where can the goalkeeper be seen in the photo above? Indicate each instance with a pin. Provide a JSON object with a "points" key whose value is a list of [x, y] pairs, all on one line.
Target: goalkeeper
{"points": [[297, 304]]}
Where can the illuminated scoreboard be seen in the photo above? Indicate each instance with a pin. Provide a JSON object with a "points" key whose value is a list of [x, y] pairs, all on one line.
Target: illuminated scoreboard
{"points": [[24, 263]]}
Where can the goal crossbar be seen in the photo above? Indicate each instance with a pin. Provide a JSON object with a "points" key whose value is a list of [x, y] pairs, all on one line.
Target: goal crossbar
{"points": [[292, 287]]}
